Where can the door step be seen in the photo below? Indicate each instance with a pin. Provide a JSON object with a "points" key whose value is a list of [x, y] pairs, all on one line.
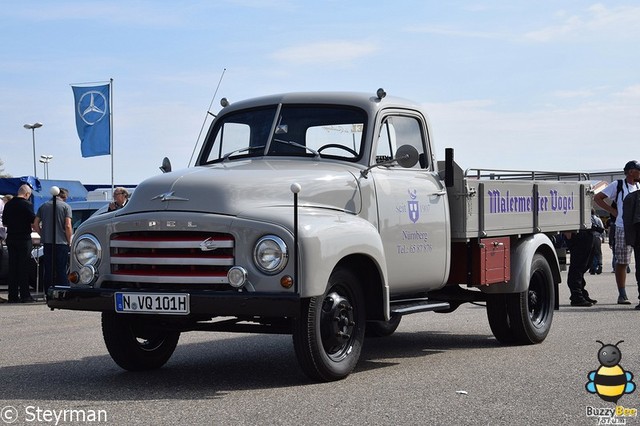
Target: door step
{"points": [[411, 306]]}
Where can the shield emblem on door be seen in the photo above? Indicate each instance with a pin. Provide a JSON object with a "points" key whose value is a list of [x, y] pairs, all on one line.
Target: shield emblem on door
{"points": [[414, 211]]}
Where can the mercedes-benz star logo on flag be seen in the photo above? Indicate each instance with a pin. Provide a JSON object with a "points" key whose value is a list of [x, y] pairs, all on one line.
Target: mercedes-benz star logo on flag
{"points": [[92, 107], [93, 113]]}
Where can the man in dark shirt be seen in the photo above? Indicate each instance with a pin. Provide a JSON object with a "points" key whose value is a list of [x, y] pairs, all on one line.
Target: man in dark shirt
{"points": [[18, 216]]}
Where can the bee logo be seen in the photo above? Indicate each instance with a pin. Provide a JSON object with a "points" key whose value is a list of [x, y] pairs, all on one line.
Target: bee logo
{"points": [[610, 381]]}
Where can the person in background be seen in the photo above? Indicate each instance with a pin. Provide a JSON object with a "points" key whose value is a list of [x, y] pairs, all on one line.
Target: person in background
{"points": [[3, 229], [63, 231], [18, 217], [622, 251], [580, 245], [597, 228], [120, 199]]}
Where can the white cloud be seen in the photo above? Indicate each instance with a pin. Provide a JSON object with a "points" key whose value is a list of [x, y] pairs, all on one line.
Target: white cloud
{"points": [[631, 92], [325, 52], [597, 21]]}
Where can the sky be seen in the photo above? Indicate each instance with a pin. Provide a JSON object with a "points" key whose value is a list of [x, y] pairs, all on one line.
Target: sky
{"points": [[527, 85]]}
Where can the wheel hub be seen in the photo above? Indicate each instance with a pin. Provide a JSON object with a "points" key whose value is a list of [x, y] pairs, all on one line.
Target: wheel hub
{"points": [[337, 324], [536, 295]]}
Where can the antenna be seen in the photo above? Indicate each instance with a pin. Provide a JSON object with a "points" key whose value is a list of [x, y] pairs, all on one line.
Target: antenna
{"points": [[206, 116]]}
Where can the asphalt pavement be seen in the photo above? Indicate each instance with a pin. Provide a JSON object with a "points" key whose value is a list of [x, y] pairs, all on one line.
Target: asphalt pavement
{"points": [[436, 369]]}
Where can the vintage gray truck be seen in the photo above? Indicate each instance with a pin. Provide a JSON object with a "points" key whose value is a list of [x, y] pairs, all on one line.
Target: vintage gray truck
{"points": [[325, 216]]}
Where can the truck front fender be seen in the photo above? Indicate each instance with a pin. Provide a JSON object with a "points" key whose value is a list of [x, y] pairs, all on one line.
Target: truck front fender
{"points": [[326, 238], [522, 253]]}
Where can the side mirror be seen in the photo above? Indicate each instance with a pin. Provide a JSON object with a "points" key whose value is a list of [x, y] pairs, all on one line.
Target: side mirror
{"points": [[407, 156], [166, 165]]}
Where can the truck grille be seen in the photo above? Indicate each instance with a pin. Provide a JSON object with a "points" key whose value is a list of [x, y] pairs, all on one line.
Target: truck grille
{"points": [[172, 259]]}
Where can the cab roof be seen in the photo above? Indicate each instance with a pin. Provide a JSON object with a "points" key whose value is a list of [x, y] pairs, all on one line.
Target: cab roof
{"points": [[369, 102]]}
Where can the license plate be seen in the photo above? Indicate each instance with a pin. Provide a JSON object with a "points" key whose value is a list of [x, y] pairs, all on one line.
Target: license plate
{"points": [[152, 303]]}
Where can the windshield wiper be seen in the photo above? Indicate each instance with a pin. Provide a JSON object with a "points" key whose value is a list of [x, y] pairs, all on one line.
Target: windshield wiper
{"points": [[298, 145], [237, 151]]}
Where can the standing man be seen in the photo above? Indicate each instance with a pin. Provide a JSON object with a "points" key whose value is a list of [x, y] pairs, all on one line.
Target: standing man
{"points": [[616, 191], [3, 232], [3, 229], [63, 231], [580, 246], [18, 217]]}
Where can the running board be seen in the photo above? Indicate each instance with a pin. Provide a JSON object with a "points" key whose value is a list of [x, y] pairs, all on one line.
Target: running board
{"points": [[411, 306]]}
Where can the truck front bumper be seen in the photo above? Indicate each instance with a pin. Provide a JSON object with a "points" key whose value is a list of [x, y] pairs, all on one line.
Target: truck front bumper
{"points": [[202, 303]]}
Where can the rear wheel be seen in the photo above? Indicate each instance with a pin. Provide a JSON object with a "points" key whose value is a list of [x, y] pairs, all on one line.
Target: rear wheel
{"points": [[531, 311], [525, 318], [134, 346], [328, 335]]}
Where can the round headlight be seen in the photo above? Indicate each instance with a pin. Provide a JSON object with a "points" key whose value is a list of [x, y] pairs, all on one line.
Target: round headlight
{"points": [[87, 274], [87, 250], [237, 276], [270, 254]]}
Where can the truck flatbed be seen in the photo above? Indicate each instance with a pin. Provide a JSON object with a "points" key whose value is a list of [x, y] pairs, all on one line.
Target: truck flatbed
{"points": [[491, 203]]}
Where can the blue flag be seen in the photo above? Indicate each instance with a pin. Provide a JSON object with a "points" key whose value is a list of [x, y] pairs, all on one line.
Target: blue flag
{"points": [[93, 119]]}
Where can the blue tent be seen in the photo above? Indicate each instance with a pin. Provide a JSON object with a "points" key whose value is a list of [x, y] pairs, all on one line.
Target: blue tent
{"points": [[42, 187]]}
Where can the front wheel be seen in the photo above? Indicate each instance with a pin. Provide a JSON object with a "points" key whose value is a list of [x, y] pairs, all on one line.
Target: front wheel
{"points": [[135, 347], [328, 335]]}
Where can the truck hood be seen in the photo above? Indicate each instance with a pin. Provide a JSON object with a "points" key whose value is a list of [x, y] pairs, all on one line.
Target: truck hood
{"points": [[242, 186]]}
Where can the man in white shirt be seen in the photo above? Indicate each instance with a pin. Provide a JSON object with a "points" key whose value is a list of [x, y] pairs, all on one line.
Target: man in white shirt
{"points": [[622, 251]]}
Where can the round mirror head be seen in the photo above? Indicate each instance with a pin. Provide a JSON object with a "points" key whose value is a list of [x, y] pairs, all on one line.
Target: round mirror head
{"points": [[407, 156]]}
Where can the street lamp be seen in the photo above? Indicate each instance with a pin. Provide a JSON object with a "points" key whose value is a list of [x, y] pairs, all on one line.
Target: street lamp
{"points": [[45, 160], [33, 128]]}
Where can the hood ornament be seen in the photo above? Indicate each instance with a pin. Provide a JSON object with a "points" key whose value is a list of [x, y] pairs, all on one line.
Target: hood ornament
{"points": [[168, 196]]}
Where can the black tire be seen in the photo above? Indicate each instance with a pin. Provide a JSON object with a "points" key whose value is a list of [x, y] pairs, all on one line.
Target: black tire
{"points": [[383, 328], [328, 335], [135, 347], [498, 316], [531, 312]]}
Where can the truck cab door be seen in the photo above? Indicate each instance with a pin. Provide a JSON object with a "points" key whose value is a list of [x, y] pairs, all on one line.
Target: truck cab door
{"points": [[412, 208]]}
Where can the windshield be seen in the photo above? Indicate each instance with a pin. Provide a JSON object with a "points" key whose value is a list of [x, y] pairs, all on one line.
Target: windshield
{"points": [[319, 131]]}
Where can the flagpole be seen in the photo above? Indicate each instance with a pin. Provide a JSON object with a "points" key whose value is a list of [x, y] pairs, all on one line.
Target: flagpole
{"points": [[111, 130]]}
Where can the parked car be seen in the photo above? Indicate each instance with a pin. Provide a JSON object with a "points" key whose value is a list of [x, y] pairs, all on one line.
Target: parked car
{"points": [[83, 210]]}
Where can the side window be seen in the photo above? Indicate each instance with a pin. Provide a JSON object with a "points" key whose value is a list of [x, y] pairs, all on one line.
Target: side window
{"points": [[235, 136], [397, 131]]}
